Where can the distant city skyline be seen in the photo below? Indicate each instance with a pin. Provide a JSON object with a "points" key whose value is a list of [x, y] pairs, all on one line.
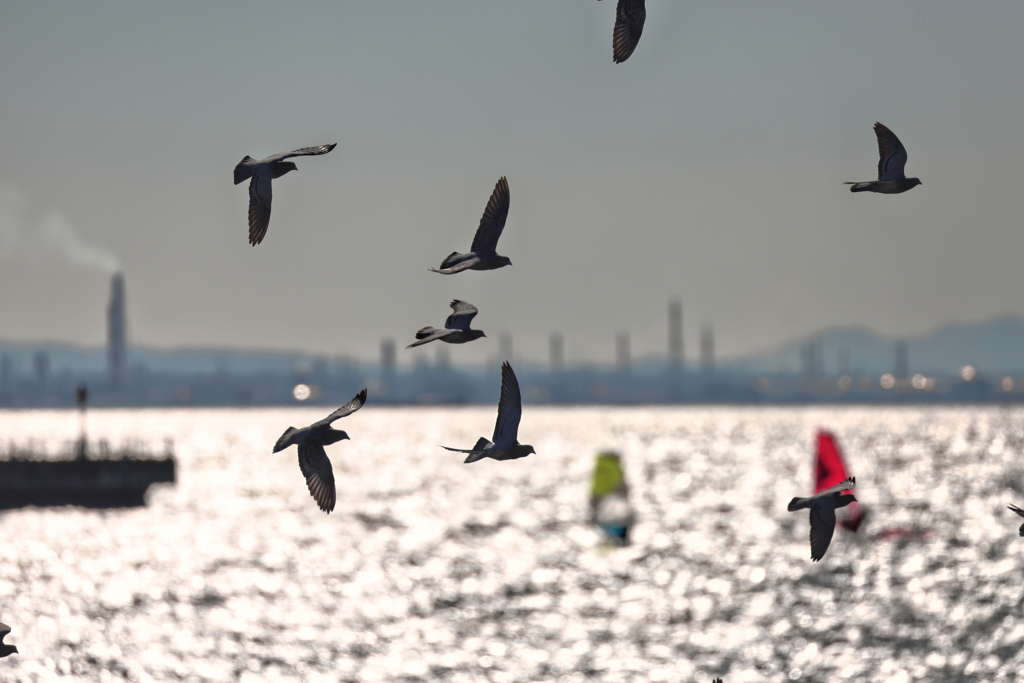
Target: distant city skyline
{"points": [[707, 169], [997, 345]]}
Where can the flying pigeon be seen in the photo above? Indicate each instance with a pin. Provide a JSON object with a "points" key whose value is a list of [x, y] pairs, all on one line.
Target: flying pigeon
{"points": [[1019, 512], [6, 649], [482, 254], [629, 24], [823, 513], [313, 462], [262, 172], [892, 157], [505, 444], [609, 499], [456, 327]]}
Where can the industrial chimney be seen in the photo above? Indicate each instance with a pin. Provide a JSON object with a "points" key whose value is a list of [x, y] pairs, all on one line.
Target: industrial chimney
{"points": [[116, 330]]}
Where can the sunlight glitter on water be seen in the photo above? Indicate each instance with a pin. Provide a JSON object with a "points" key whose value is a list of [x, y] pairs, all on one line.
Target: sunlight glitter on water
{"points": [[430, 569]]}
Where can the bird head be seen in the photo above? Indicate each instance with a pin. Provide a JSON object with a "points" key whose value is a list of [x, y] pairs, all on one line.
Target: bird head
{"points": [[282, 167], [845, 500], [915, 181], [334, 436], [505, 260]]}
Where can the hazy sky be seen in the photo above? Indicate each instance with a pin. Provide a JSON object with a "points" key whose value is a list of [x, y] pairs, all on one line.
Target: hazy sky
{"points": [[708, 167]]}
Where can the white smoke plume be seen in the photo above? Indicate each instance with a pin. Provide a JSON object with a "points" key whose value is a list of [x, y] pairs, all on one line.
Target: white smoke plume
{"points": [[53, 236]]}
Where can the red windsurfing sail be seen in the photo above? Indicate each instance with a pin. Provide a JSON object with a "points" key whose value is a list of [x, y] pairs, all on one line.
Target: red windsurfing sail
{"points": [[829, 470]]}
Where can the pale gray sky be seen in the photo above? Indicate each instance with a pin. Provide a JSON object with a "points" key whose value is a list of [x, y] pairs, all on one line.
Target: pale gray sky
{"points": [[707, 167]]}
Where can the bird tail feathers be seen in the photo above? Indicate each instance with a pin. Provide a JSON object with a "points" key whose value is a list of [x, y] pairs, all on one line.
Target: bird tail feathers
{"points": [[859, 187], [425, 332], [450, 260], [798, 504], [243, 171], [478, 452], [285, 440]]}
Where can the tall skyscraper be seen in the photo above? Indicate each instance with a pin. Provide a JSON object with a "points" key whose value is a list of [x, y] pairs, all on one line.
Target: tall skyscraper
{"points": [[556, 351], [622, 356], [675, 335], [116, 325], [387, 356], [5, 372], [707, 349]]}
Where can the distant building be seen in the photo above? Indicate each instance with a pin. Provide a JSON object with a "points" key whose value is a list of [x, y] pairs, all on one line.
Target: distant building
{"points": [[444, 357], [116, 330], [812, 354], [675, 335], [707, 350], [556, 351], [387, 356], [622, 356], [41, 365], [902, 360]]}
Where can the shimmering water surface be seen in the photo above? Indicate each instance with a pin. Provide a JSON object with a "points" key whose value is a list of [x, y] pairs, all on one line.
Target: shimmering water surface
{"points": [[431, 570]]}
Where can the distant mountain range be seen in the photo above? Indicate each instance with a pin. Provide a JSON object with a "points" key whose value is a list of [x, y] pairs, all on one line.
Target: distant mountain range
{"points": [[995, 347]]}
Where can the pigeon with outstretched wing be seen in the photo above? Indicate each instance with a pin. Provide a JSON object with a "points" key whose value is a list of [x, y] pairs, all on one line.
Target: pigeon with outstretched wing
{"points": [[313, 461], [504, 444], [262, 172], [823, 513], [456, 327], [482, 254], [892, 157]]}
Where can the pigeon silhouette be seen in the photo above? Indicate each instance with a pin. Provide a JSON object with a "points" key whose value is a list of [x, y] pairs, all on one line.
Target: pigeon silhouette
{"points": [[482, 254], [262, 172], [5, 649], [504, 444], [313, 461], [1019, 512], [823, 513], [892, 157], [456, 327], [629, 24]]}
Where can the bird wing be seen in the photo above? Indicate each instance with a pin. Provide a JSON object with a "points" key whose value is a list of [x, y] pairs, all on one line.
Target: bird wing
{"points": [[823, 525], [461, 318], [493, 220], [510, 410], [259, 204], [460, 450], [892, 155], [303, 152], [316, 468], [629, 24], [436, 334], [458, 267], [347, 409], [845, 485]]}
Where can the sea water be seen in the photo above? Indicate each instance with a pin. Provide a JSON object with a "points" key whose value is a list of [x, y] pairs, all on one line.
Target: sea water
{"points": [[432, 570]]}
